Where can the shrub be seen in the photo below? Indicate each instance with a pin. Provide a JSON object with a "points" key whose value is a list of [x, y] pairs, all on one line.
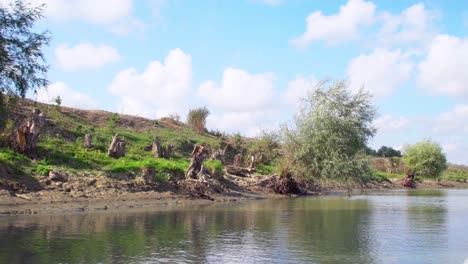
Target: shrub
{"points": [[330, 134], [197, 119], [426, 158]]}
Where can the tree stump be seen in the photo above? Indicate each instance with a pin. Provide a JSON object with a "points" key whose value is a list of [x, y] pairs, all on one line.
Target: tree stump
{"points": [[251, 160], [157, 148], [26, 133], [117, 147], [237, 161], [88, 141], [168, 151], [409, 181], [196, 163]]}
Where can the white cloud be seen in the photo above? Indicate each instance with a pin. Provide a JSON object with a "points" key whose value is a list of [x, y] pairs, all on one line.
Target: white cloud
{"points": [[117, 15], [162, 88], [85, 56], [443, 71], [390, 123], [380, 72], [456, 120], [339, 27], [298, 88], [70, 97], [414, 25], [239, 90]]}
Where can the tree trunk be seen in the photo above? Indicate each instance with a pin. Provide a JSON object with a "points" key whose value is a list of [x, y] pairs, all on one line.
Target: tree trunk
{"points": [[196, 163], [26, 133], [88, 141], [117, 147]]}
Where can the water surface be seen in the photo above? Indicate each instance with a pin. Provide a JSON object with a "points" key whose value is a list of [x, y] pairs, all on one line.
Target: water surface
{"points": [[388, 227]]}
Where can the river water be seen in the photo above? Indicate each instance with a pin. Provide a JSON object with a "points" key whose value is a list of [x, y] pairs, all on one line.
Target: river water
{"points": [[427, 226]]}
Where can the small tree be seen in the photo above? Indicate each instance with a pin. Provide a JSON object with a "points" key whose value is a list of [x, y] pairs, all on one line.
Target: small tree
{"points": [[197, 119], [426, 158], [330, 134], [388, 152], [58, 101], [22, 65]]}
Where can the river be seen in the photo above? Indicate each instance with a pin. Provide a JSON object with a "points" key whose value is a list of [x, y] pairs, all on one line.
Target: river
{"points": [[403, 226]]}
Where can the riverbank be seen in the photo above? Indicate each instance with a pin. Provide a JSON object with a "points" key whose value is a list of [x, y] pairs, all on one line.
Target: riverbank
{"points": [[88, 194]]}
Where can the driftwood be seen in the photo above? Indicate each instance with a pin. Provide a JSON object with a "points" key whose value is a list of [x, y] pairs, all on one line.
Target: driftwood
{"points": [[88, 141], [409, 181], [238, 171], [117, 147], [196, 163], [237, 161], [26, 133]]}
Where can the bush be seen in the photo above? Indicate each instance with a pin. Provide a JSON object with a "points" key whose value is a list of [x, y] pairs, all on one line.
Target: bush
{"points": [[330, 134], [266, 147], [426, 158], [197, 119]]}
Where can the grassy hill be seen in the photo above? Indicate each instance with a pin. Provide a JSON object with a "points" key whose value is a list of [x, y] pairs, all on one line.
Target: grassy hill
{"points": [[61, 147]]}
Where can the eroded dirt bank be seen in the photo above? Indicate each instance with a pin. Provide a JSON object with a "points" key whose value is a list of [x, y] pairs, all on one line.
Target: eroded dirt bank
{"points": [[94, 193]]}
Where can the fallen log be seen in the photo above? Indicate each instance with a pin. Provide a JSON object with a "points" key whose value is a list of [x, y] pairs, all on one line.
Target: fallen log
{"points": [[238, 171]]}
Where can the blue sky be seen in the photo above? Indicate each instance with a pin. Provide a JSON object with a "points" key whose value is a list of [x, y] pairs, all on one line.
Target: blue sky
{"points": [[249, 61]]}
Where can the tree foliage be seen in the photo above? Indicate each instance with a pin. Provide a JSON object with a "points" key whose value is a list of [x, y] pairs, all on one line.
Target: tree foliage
{"points": [[330, 134], [426, 158], [22, 63], [388, 152], [197, 119]]}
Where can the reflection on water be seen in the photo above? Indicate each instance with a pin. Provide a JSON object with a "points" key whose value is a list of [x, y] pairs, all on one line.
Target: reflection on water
{"points": [[391, 227]]}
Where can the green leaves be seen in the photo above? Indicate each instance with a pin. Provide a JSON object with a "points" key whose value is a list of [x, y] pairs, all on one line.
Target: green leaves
{"points": [[22, 65], [330, 134], [426, 158]]}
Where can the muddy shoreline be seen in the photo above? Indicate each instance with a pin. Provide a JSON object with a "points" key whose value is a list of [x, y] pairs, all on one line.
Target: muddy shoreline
{"points": [[81, 196]]}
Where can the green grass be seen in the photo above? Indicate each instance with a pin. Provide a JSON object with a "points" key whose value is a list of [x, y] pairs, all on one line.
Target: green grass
{"points": [[456, 173], [160, 165], [215, 167], [266, 169]]}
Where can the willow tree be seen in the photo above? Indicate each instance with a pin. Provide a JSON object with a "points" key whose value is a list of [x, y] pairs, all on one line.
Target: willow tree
{"points": [[330, 133], [22, 63]]}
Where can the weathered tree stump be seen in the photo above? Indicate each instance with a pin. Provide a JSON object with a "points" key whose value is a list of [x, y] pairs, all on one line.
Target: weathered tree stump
{"points": [[237, 161], [117, 147], [196, 163], [284, 184], [157, 148], [409, 181], [161, 152], [26, 133], [88, 141], [168, 151], [217, 155], [251, 166]]}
